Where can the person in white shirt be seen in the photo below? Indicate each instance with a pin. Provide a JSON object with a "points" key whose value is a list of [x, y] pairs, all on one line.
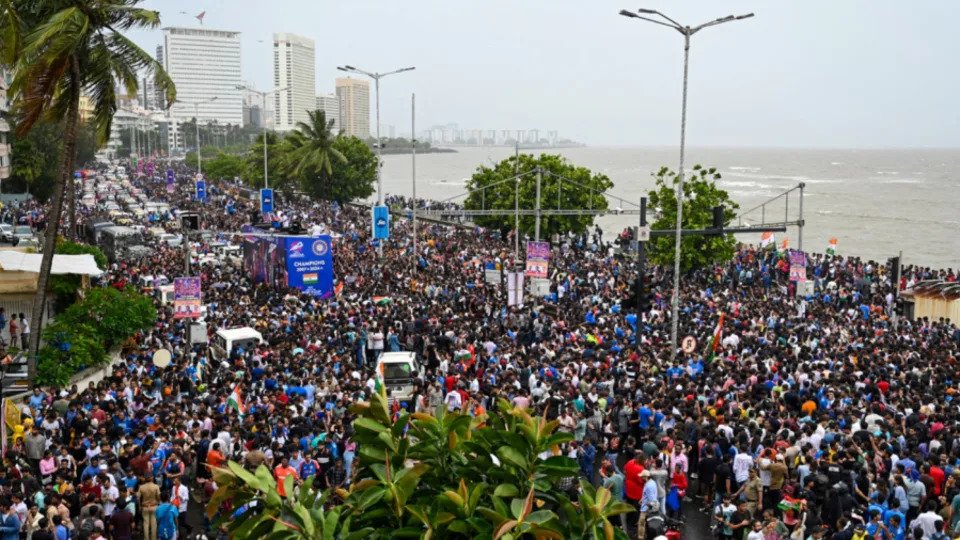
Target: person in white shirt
{"points": [[927, 521]]}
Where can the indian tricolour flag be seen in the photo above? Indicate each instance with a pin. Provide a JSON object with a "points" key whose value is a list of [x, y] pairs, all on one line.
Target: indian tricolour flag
{"points": [[378, 381], [715, 339], [767, 239], [832, 247], [236, 402]]}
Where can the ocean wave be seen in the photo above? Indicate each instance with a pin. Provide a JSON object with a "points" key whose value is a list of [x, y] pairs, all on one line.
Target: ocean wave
{"points": [[746, 184], [835, 163], [792, 178], [904, 180], [744, 168], [888, 172], [886, 217]]}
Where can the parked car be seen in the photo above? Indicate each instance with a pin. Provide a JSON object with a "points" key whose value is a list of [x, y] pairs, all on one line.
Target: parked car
{"points": [[6, 232], [21, 232], [172, 240]]}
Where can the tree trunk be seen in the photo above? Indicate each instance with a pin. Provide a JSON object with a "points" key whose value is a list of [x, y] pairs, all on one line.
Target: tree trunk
{"points": [[71, 194], [53, 225]]}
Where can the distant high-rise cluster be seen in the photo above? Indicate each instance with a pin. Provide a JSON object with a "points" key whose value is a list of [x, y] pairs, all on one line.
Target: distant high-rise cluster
{"points": [[453, 134]]}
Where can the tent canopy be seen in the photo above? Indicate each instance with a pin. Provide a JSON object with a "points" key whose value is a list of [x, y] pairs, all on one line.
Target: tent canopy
{"points": [[62, 264]]}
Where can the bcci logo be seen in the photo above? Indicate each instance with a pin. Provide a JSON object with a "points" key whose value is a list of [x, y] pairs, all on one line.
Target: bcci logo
{"points": [[381, 222], [320, 248], [296, 249]]}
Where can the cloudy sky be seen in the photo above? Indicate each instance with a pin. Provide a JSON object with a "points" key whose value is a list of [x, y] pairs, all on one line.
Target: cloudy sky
{"points": [[816, 73]]}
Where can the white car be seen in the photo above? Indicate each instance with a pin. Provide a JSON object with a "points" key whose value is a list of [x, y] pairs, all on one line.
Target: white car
{"points": [[6, 232], [172, 240]]}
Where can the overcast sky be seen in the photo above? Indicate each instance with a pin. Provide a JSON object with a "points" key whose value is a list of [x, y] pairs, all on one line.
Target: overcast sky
{"points": [[817, 73]]}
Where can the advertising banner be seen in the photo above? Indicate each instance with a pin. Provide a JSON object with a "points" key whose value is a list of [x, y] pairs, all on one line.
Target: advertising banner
{"points": [[381, 222], [260, 258], [171, 187], [309, 264], [266, 201], [538, 259], [187, 298], [514, 288]]}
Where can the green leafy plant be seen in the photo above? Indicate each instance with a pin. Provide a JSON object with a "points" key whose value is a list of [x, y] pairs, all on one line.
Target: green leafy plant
{"points": [[441, 475], [700, 195], [65, 287]]}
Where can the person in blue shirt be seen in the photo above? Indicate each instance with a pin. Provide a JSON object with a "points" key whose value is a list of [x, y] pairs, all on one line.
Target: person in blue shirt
{"points": [[10, 523], [645, 417], [166, 518]]}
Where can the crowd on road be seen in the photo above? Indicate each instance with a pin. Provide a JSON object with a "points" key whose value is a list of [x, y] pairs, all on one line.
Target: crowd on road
{"points": [[819, 416]]}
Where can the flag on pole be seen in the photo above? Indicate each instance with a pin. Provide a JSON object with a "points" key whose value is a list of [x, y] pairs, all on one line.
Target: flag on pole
{"points": [[382, 300], [378, 381], [767, 239], [338, 290], [715, 339], [785, 245], [200, 16], [832, 247], [235, 401]]}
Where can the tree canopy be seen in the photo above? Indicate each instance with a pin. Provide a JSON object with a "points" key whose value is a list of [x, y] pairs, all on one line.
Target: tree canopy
{"points": [[563, 185], [700, 195]]}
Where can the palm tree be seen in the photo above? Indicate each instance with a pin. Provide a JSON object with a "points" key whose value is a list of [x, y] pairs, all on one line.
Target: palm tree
{"points": [[311, 148], [76, 46]]}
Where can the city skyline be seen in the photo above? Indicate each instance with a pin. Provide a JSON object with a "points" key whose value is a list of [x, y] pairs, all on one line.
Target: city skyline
{"points": [[815, 74]]}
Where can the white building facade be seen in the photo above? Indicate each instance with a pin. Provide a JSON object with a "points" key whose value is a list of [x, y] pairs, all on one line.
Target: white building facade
{"points": [[205, 66], [6, 77], [330, 104], [294, 72]]}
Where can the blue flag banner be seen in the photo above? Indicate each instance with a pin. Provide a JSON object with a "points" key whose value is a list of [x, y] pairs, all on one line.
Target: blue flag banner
{"points": [[309, 262], [266, 201], [202, 190], [381, 222]]}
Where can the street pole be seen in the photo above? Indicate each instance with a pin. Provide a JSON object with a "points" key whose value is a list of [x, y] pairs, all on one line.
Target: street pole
{"points": [[376, 81], [687, 31], [675, 300], [537, 226], [196, 123], [641, 255], [413, 164], [266, 183]]}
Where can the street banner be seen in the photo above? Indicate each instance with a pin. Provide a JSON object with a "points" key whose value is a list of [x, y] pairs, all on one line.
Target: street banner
{"points": [[201, 190], [381, 222], [266, 201], [798, 258], [514, 288], [538, 259], [187, 298], [150, 168], [140, 167], [309, 264], [798, 273], [171, 179], [261, 258]]}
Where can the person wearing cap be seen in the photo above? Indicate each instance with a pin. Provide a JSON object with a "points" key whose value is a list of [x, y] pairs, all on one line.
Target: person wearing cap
{"points": [[650, 500]]}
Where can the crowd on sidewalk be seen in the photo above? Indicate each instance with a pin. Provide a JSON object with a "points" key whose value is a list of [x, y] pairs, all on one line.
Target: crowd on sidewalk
{"points": [[815, 417]]}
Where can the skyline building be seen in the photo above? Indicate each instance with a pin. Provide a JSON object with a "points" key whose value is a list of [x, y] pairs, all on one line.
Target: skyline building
{"points": [[330, 104], [354, 95], [294, 70], [204, 64]]}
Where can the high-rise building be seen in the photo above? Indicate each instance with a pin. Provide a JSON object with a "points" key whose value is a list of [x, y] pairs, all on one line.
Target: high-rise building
{"points": [[330, 104], [160, 99], [293, 72], [354, 97], [6, 78], [205, 66]]}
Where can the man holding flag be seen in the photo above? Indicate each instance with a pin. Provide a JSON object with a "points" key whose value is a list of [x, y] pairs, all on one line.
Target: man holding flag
{"points": [[715, 339]]}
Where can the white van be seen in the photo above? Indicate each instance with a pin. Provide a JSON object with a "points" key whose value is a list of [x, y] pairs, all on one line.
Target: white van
{"points": [[399, 370], [164, 294], [226, 340]]}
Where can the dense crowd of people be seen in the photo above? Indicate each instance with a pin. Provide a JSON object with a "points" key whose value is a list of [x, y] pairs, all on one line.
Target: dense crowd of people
{"points": [[818, 416]]}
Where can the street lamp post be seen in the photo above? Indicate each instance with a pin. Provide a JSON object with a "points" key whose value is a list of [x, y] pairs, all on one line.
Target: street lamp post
{"points": [[376, 80], [263, 123], [687, 32], [196, 119]]}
